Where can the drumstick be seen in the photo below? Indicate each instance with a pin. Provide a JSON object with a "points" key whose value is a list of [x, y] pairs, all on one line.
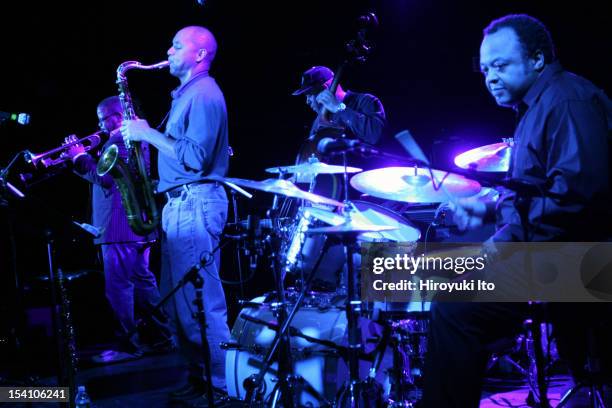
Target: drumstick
{"points": [[414, 150]]}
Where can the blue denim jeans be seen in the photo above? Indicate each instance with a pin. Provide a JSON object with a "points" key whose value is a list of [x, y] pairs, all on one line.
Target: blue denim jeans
{"points": [[192, 225]]}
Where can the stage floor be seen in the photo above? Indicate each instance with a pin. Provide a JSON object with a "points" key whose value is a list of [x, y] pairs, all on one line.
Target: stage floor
{"points": [[146, 382]]}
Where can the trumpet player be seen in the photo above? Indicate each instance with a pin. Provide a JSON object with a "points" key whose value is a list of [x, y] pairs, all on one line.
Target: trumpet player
{"points": [[192, 150], [130, 286]]}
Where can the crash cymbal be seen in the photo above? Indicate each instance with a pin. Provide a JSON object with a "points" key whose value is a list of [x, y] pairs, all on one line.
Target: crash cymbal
{"points": [[413, 185], [313, 168], [489, 158], [285, 188]]}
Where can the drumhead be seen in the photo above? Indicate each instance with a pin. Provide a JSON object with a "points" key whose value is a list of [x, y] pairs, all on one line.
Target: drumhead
{"points": [[379, 215]]}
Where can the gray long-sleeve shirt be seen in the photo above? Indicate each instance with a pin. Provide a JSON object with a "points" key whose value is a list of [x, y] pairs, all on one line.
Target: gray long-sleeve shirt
{"points": [[198, 123]]}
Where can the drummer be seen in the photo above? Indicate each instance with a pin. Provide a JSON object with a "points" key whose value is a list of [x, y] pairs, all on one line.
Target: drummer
{"points": [[563, 119]]}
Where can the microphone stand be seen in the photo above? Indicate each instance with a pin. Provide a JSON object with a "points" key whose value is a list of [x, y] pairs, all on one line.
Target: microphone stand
{"points": [[65, 367], [194, 277]]}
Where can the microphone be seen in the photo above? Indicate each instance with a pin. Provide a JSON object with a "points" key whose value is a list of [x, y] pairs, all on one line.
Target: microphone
{"points": [[89, 228], [330, 145], [21, 118]]}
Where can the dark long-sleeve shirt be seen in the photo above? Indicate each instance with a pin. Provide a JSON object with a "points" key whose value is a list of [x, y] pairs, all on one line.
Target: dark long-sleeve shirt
{"points": [[561, 143], [108, 213], [363, 118], [198, 123]]}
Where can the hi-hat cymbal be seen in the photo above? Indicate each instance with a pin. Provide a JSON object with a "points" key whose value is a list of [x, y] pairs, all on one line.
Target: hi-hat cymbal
{"points": [[350, 227], [313, 168], [413, 185], [285, 188], [489, 158], [357, 223]]}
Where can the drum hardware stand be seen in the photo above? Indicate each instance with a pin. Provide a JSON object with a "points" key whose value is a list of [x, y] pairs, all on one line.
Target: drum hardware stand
{"points": [[282, 343], [534, 325], [273, 211], [351, 394], [538, 396], [403, 361], [397, 374], [399, 382], [593, 382], [238, 260]]}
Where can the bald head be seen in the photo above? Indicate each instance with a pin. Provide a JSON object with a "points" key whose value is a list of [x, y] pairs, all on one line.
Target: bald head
{"points": [[193, 50], [202, 38], [112, 102]]}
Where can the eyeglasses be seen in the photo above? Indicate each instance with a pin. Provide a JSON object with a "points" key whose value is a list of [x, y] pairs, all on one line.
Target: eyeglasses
{"points": [[105, 118]]}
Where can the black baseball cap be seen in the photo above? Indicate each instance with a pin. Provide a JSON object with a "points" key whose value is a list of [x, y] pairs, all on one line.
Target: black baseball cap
{"points": [[313, 78]]}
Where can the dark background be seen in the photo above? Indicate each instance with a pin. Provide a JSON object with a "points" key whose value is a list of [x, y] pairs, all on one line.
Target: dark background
{"points": [[59, 60]]}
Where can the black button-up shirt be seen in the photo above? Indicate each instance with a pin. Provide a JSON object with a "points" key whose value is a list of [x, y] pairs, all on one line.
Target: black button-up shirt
{"points": [[561, 143]]}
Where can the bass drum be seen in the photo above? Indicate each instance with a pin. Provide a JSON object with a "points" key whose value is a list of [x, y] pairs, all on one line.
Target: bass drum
{"points": [[322, 317]]}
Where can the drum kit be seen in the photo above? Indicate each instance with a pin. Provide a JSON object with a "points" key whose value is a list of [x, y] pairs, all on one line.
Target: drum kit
{"points": [[309, 345]]}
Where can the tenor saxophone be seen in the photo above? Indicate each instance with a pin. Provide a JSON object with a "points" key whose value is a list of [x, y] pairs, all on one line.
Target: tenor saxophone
{"points": [[131, 177]]}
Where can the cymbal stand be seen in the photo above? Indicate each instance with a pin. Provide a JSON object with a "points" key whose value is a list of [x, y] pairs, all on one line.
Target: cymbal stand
{"points": [[287, 381], [349, 396]]}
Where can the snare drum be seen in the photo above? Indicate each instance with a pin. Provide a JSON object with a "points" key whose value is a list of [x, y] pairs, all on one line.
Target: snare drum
{"points": [[304, 251], [301, 252]]}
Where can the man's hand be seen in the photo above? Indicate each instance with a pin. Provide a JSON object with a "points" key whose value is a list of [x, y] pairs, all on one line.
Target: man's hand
{"points": [[468, 213], [328, 100], [489, 251], [72, 152], [135, 130]]}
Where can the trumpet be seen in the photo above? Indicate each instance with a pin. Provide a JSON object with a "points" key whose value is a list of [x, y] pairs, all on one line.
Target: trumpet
{"points": [[54, 157]]}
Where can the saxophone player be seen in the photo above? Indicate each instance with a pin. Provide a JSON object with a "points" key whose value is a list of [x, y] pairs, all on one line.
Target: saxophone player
{"points": [[130, 286], [192, 150]]}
